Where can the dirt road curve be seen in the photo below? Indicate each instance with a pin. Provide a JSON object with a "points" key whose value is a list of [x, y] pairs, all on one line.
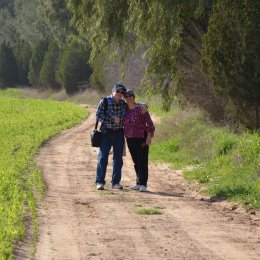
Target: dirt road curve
{"points": [[79, 222]]}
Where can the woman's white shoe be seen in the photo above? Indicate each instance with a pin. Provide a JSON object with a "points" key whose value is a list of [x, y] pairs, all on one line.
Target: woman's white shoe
{"points": [[142, 188], [135, 187]]}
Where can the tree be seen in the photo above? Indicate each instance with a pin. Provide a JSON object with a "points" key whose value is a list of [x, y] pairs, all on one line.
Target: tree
{"points": [[36, 61], [8, 32], [23, 53], [231, 57], [6, 4], [30, 21], [73, 66], [163, 27], [8, 67], [49, 66]]}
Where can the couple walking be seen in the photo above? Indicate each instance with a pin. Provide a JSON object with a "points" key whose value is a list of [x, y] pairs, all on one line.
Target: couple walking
{"points": [[121, 116]]}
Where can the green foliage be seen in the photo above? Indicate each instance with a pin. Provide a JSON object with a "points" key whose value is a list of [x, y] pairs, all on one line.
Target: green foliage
{"points": [[8, 66], [36, 61], [171, 32], [24, 126], [73, 66], [50, 66], [102, 20], [231, 57]]}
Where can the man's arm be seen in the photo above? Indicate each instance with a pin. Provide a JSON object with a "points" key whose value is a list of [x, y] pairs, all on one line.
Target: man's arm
{"points": [[100, 113], [144, 107]]}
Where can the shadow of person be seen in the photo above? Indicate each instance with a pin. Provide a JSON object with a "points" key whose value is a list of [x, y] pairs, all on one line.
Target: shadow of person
{"points": [[166, 194], [217, 198]]}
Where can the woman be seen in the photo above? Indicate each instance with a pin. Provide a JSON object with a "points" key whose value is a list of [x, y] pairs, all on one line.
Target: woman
{"points": [[138, 130]]}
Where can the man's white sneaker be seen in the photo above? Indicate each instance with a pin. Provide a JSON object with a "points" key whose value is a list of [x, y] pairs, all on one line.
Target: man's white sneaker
{"points": [[117, 186], [100, 186], [135, 187], [142, 188]]}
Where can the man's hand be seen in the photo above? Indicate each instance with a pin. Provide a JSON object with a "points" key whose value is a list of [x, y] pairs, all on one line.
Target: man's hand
{"points": [[144, 108], [117, 120]]}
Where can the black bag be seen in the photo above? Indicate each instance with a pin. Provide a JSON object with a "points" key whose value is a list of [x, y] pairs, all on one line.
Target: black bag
{"points": [[96, 137]]}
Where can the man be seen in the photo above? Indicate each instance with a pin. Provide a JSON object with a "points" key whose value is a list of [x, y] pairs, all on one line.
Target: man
{"points": [[110, 113]]}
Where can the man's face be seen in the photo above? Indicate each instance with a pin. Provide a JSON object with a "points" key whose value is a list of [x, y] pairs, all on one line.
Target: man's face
{"points": [[118, 93]]}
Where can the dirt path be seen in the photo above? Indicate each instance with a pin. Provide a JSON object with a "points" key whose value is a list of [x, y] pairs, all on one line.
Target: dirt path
{"points": [[79, 222]]}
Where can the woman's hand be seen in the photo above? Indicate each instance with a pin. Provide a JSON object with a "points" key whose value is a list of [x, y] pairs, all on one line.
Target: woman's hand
{"points": [[148, 139]]}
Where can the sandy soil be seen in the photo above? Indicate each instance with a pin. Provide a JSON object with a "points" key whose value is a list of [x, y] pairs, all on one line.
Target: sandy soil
{"points": [[79, 222]]}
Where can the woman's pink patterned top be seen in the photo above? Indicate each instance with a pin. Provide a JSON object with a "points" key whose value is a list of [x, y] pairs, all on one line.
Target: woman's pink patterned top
{"points": [[136, 124]]}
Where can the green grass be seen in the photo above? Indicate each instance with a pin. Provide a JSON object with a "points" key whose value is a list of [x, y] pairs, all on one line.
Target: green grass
{"points": [[11, 92], [145, 211], [234, 173], [89, 96], [152, 103], [148, 211], [25, 124], [226, 163]]}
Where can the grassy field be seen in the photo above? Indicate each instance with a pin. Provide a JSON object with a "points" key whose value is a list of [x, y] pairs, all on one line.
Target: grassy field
{"points": [[25, 124], [224, 163]]}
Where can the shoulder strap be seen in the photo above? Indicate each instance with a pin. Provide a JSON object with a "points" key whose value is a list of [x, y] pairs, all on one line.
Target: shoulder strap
{"points": [[105, 105]]}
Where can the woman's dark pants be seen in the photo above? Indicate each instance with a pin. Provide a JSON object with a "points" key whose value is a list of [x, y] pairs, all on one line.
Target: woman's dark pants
{"points": [[139, 152]]}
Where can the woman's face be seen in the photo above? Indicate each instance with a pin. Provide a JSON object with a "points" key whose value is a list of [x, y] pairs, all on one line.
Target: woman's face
{"points": [[130, 99]]}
